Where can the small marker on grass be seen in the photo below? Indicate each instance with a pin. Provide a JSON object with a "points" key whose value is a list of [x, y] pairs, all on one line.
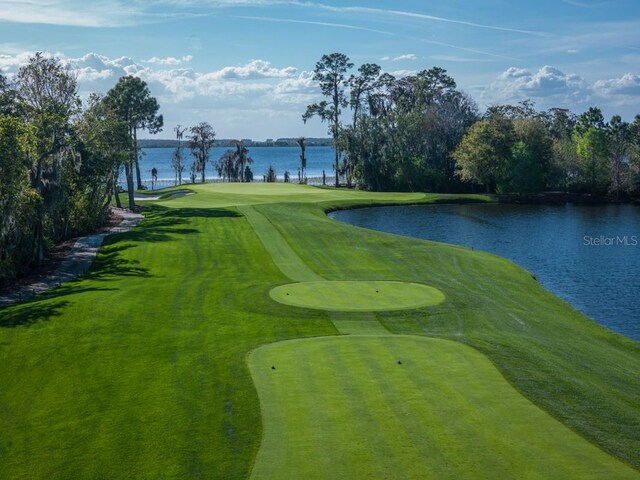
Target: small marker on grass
{"points": [[273, 367], [399, 362]]}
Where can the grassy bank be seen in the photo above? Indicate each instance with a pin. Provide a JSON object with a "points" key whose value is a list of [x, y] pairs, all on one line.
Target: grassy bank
{"points": [[140, 369]]}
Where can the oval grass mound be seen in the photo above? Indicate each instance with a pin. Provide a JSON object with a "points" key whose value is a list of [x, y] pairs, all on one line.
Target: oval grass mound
{"points": [[359, 296]]}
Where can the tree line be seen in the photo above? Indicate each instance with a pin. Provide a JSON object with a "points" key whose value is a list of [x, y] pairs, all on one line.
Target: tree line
{"points": [[421, 133], [60, 159]]}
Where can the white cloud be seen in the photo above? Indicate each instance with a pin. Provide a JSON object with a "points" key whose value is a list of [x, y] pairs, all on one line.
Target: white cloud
{"points": [[551, 87], [11, 63], [399, 58], [88, 74], [97, 73], [164, 61], [122, 65], [513, 72], [228, 96], [402, 73], [628, 85], [303, 84], [169, 60], [257, 80], [547, 83], [408, 56], [174, 84], [252, 70]]}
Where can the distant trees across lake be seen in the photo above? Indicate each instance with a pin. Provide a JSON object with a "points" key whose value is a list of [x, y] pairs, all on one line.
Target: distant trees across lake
{"points": [[421, 133], [230, 143]]}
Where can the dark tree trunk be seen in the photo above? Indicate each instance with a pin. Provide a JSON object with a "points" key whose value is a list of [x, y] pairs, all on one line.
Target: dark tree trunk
{"points": [[116, 195], [39, 234], [137, 163], [138, 177], [129, 173]]}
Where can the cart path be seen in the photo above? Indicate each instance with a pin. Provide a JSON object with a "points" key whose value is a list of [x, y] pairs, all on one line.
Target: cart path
{"points": [[75, 263]]}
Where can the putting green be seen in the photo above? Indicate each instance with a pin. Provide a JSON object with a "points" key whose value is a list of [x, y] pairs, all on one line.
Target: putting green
{"points": [[357, 296], [345, 408], [216, 195]]}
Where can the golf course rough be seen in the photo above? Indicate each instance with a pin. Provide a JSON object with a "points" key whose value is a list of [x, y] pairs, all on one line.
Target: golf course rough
{"points": [[356, 296], [360, 407]]}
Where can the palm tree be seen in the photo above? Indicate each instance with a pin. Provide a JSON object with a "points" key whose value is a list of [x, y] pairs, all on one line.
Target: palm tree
{"points": [[233, 165], [303, 161], [201, 141], [226, 166], [242, 160]]}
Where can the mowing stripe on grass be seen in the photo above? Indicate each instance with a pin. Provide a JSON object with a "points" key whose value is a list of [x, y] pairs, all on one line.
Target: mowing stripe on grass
{"points": [[357, 323], [281, 253], [345, 408]]}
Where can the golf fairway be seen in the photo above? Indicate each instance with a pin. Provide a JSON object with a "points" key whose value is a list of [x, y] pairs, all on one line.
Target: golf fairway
{"points": [[375, 407]]}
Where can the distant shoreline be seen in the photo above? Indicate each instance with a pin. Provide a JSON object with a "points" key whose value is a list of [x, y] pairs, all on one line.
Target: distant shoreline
{"points": [[280, 142]]}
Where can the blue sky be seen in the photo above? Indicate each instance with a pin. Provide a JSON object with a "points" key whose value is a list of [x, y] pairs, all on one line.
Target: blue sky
{"points": [[245, 65]]}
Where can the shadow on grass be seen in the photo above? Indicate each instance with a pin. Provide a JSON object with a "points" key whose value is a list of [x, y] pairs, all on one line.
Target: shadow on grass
{"points": [[179, 213], [158, 229], [161, 224], [29, 313], [164, 224], [112, 264]]}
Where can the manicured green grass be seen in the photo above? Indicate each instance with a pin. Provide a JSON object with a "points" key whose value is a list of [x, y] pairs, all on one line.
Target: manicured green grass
{"points": [[406, 407], [345, 296], [278, 248], [138, 370]]}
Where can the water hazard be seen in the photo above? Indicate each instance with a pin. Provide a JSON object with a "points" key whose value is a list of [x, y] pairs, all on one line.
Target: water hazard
{"points": [[587, 255]]}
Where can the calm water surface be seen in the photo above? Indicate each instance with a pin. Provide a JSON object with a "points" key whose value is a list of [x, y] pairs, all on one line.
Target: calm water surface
{"points": [[282, 158], [588, 255]]}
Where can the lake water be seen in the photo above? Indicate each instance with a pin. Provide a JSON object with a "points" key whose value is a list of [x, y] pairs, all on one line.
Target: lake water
{"points": [[282, 158], [587, 255]]}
